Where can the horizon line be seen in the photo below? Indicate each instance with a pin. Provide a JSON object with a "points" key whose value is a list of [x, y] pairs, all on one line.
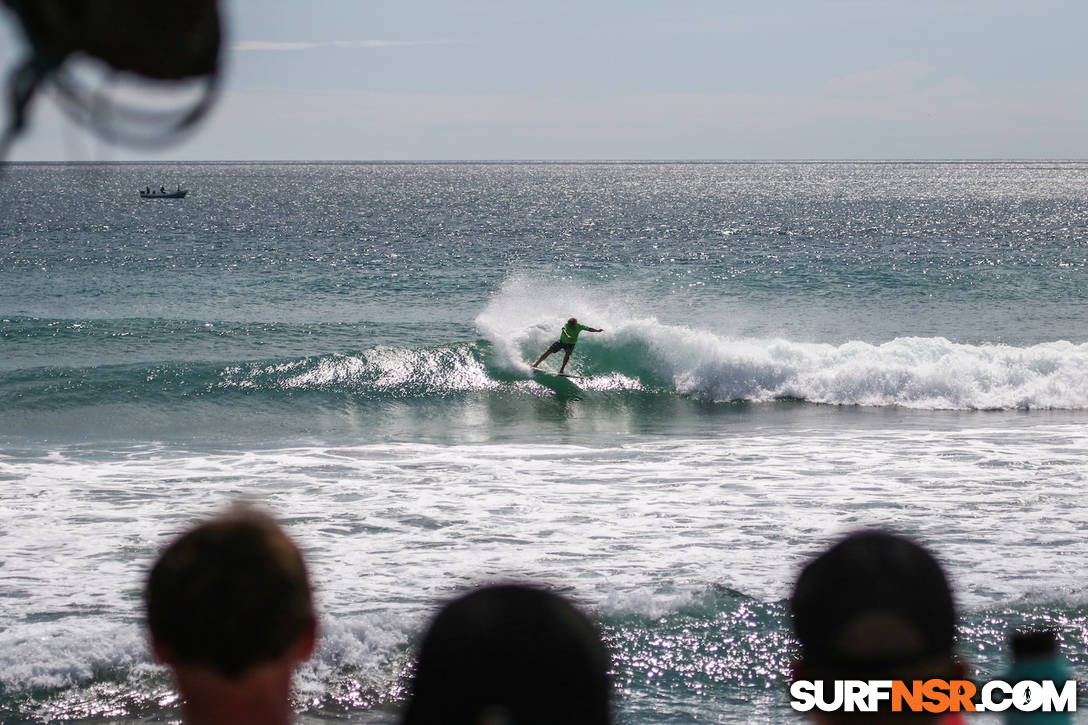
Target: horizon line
{"points": [[393, 162]]}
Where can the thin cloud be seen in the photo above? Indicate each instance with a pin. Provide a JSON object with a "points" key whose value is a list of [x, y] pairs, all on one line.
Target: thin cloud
{"points": [[245, 46]]}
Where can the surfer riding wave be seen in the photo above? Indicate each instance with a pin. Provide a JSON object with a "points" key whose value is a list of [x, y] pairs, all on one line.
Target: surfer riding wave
{"points": [[568, 336]]}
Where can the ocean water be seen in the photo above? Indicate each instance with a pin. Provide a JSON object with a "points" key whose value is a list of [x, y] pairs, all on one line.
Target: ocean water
{"points": [[790, 351]]}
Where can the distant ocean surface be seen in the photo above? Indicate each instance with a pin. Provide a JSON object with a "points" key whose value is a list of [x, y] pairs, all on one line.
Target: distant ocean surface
{"points": [[791, 351]]}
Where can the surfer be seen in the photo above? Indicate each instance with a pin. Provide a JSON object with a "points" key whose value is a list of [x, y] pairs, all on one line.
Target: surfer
{"points": [[567, 337]]}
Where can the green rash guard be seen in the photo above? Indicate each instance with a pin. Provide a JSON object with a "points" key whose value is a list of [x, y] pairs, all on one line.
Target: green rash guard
{"points": [[569, 334]]}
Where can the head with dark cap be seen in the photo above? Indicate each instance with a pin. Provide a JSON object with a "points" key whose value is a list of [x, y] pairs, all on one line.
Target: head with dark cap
{"points": [[1033, 644], [511, 655], [875, 605]]}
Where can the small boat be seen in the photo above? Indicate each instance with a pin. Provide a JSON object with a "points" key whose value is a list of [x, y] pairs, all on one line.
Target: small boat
{"points": [[162, 193]]}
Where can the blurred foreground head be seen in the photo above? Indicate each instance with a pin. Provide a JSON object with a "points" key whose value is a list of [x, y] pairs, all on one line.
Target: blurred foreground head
{"points": [[230, 611], [511, 655], [164, 42], [874, 606]]}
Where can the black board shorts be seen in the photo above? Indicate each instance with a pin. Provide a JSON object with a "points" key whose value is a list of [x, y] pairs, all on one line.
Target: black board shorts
{"points": [[560, 345]]}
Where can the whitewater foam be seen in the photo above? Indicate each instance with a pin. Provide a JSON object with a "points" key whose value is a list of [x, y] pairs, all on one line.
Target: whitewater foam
{"points": [[638, 526], [920, 373]]}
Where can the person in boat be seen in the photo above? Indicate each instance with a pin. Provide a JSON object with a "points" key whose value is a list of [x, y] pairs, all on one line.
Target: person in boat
{"points": [[162, 189], [568, 336], [147, 190]]}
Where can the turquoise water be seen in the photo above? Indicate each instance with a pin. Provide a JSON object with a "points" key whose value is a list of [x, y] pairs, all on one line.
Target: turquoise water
{"points": [[790, 351]]}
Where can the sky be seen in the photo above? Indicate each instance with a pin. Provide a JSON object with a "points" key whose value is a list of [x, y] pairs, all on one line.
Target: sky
{"points": [[390, 80]]}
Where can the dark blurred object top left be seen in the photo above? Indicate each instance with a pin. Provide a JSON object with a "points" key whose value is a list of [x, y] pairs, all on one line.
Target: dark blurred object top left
{"points": [[161, 41]]}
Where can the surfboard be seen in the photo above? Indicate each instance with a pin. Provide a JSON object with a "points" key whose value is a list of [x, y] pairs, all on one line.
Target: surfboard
{"points": [[562, 383], [539, 371]]}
